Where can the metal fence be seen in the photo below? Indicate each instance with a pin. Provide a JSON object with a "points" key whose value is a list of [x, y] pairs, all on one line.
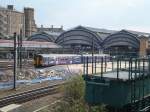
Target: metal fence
{"points": [[132, 72]]}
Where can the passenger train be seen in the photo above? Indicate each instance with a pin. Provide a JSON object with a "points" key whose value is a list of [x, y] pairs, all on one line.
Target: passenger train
{"points": [[44, 60]]}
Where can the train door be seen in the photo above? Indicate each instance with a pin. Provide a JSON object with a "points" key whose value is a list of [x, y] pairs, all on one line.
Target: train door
{"points": [[38, 61]]}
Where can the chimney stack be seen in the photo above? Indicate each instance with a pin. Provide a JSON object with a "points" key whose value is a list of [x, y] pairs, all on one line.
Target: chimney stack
{"points": [[42, 26], [61, 27], [52, 28], [10, 7]]}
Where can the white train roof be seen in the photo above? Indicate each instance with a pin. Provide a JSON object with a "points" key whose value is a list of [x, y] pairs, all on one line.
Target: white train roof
{"points": [[67, 55], [55, 55]]}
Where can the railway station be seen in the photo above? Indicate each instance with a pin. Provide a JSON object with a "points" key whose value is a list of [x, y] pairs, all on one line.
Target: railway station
{"points": [[40, 64]]}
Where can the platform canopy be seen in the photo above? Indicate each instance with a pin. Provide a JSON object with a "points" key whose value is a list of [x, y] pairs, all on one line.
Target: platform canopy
{"points": [[29, 44]]}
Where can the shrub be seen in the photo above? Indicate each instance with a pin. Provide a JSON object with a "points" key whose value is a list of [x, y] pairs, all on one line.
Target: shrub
{"points": [[73, 100]]}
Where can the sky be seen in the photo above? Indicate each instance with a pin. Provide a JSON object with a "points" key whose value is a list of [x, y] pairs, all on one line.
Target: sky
{"points": [[107, 14]]}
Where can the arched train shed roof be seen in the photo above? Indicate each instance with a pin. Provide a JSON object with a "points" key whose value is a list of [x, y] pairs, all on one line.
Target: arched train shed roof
{"points": [[79, 36], [122, 38], [44, 37]]}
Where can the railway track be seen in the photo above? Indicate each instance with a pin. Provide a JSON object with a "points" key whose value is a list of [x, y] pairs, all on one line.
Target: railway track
{"points": [[6, 64], [11, 68], [30, 95]]}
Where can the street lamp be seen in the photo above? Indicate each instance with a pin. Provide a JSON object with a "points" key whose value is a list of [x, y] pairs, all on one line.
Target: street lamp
{"points": [[15, 59], [92, 54]]}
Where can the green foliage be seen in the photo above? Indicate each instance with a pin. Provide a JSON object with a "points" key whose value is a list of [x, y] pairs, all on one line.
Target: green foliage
{"points": [[75, 88], [73, 100]]}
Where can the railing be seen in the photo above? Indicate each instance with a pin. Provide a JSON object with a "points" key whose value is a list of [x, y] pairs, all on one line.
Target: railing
{"points": [[134, 67]]}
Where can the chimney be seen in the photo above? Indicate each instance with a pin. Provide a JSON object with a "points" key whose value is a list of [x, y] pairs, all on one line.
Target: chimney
{"points": [[61, 27], [42, 26], [10, 7], [52, 28]]}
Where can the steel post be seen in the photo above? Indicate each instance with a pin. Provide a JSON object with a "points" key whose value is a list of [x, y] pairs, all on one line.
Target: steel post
{"points": [[101, 67], [15, 59]]}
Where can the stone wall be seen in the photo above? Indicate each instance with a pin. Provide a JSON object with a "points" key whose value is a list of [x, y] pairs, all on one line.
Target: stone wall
{"points": [[143, 46]]}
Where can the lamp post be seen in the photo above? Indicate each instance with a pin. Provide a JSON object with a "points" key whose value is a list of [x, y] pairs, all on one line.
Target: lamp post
{"points": [[130, 51], [116, 50], [20, 48], [15, 59], [92, 54], [63, 45]]}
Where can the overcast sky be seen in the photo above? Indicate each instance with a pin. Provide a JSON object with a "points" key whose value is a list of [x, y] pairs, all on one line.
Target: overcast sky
{"points": [[108, 14]]}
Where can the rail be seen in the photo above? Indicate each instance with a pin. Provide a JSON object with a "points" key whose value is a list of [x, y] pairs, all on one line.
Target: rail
{"points": [[30, 95]]}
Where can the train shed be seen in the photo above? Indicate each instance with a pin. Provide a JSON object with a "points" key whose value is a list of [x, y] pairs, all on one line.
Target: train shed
{"points": [[88, 39], [45, 36], [83, 38]]}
